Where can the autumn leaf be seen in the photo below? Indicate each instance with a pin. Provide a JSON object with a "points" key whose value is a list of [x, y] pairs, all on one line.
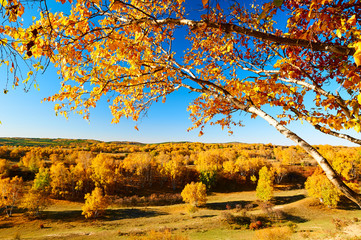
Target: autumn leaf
{"points": [[218, 7], [205, 3], [4, 3], [357, 55], [338, 33], [359, 98], [352, 20]]}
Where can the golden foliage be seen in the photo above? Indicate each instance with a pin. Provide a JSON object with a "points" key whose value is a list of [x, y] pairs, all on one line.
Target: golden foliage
{"points": [[195, 194], [95, 204]]}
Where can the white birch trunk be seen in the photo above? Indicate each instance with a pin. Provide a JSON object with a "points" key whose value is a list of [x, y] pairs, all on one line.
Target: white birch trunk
{"points": [[324, 164]]}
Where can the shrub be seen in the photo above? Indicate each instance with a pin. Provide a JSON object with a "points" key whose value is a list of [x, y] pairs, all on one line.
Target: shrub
{"points": [[163, 235], [235, 221], [152, 200], [339, 223], [95, 204], [277, 233], [254, 226], [195, 194]]}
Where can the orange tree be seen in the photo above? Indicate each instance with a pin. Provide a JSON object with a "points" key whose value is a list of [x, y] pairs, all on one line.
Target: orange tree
{"points": [[124, 50]]}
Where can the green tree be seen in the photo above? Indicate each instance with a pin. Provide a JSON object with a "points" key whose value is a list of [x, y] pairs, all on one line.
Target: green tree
{"points": [[42, 180], [264, 188], [38, 196]]}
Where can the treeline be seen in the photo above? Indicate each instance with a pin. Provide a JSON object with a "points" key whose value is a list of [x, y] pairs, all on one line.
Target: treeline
{"points": [[128, 169]]}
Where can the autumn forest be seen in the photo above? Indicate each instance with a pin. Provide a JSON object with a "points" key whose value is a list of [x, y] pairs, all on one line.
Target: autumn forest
{"points": [[290, 65], [37, 173]]}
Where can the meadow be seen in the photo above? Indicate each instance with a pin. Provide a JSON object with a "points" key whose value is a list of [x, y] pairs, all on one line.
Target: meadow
{"points": [[150, 207]]}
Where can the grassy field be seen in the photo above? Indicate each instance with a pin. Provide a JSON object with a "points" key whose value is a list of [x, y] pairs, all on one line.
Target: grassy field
{"points": [[63, 220]]}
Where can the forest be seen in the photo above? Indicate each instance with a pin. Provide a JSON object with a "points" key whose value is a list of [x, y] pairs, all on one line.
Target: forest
{"points": [[38, 173]]}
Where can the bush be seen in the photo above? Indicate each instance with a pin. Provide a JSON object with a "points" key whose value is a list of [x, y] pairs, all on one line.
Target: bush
{"points": [[95, 204], [235, 221], [152, 200], [160, 235], [195, 194], [277, 233]]}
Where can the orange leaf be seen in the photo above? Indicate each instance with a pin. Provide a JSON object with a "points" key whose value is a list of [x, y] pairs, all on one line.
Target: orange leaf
{"points": [[205, 2], [136, 128], [218, 7]]}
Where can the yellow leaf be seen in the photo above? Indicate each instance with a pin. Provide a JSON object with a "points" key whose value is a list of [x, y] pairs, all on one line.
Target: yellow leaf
{"points": [[4, 3], [357, 128], [352, 20], [229, 46], [4, 41], [357, 57], [338, 33], [359, 98]]}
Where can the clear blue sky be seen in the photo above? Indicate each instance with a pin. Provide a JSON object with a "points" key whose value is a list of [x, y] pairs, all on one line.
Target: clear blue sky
{"points": [[23, 115]]}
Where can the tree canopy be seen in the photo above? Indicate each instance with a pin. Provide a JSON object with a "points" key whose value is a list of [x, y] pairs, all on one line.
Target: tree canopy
{"points": [[237, 58]]}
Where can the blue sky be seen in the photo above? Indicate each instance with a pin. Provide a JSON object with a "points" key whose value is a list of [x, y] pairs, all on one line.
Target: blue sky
{"points": [[23, 115]]}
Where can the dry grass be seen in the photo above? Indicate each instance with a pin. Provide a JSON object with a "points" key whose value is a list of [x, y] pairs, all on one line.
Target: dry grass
{"points": [[63, 220]]}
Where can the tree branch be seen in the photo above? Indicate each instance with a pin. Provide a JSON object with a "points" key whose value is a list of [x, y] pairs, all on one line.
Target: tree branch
{"points": [[232, 28]]}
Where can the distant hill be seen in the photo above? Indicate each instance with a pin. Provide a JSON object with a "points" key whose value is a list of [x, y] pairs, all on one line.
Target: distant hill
{"points": [[43, 142]]}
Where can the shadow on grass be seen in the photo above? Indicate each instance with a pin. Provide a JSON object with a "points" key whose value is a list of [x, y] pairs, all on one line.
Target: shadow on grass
{"points": [[223, 205], [110, 215], [6, 225], [295, 219], [65, 216], [118, 214], [347, 204], [206, 216], [287, 199]]}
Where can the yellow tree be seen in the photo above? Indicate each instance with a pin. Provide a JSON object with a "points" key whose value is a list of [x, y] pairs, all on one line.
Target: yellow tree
{"points": [[173, 167], [59, 175], [104, 172], [209, 164], [95, 204], [125, 50], [264, 188], [4, 167], [32, 160], [142, 165], [81, 172], [11, 191], [37, 197], [195, 194]]}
